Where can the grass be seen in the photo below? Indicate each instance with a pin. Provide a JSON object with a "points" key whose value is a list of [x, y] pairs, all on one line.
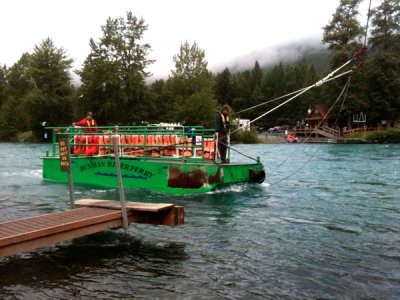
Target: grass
{"points": [[391, 135]]}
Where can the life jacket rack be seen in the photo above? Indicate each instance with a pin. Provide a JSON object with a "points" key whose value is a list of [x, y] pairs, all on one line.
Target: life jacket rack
{"points": [[145, 142]]}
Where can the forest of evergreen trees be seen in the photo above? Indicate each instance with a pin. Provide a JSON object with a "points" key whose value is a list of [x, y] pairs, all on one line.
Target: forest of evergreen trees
{"points": [[39, 86]]}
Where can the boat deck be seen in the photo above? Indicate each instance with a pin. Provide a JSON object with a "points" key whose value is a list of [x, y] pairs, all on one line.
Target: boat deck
{"points": [[95, 216]]}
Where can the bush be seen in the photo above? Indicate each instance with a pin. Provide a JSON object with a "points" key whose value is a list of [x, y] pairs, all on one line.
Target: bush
{"points": [[245, 137], [391, 135]]}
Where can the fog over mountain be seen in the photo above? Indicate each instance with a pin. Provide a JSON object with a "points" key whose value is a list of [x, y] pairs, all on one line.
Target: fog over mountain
{"points": [[311, 49], [290, 53]]}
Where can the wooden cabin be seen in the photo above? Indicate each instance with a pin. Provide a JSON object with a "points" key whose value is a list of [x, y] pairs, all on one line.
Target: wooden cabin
{"points": [[318, 116]]}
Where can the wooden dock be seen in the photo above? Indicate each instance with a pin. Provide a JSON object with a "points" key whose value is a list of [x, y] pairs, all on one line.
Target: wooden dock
{"points": [[94, 216]]}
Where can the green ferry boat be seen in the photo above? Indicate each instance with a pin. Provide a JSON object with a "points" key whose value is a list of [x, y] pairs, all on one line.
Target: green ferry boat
{"points": [[167, 158]]}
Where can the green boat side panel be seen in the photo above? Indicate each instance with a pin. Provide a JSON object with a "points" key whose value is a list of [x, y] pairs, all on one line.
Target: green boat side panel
{"points": [[167, 177], [169, 159]]}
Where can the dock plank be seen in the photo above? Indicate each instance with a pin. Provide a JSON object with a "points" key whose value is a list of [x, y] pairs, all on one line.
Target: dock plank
{"points": [[138, 206], [48, 224], [41, 231], [45, 241]]}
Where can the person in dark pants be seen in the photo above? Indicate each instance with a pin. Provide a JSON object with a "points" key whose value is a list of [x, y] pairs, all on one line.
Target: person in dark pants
{"points": [[222, 131]]}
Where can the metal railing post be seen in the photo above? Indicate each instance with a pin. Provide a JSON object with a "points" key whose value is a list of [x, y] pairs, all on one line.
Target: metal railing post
{"points": [[115, 140], [70, 179]]}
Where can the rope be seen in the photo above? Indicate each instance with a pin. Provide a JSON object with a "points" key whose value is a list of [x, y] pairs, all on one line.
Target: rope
{"points": [[299, 92], [269, 101], [344, 91], [237, 151], [302, 91], [289, 94], [344, 100], [326, 79], [359, 54]]}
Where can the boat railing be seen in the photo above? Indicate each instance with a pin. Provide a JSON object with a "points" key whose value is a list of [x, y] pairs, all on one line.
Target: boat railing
{"points": [[145, 142]]}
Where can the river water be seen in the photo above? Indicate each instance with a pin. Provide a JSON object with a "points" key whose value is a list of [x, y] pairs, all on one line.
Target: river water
{"points": [[326, 224]]}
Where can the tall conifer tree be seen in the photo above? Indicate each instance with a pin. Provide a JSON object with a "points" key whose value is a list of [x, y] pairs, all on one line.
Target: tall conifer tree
{"points": [[114, 73], [383, 76]]}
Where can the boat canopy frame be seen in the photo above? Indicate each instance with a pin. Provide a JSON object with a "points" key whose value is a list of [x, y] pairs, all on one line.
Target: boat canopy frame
{"points": [[162, 142]]}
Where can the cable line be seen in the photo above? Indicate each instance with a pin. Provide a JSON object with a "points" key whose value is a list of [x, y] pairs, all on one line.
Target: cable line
{"points": [[344, 91]]}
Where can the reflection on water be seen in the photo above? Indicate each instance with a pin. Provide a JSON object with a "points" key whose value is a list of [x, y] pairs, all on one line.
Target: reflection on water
{"points": [[330, 230], [92, 252]]}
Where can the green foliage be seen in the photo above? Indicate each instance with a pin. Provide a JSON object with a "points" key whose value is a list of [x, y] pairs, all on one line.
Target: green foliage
{"points": [[274, 82], [256, 76], [191, 87], [224, 88], [282, 80], [190, 63], [113, 75], [382, 77], [246, 137], [38, 89], [9, 120], [386, 26], [18, 84], [19, 81], [52, 92], [196, 109], [163, 100], [391, 135], [3, 73], [344, 32]]}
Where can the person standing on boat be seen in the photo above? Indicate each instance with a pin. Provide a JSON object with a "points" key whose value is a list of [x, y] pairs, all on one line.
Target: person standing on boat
{"points": [[87, 144], [89, 123], [222, 131]]}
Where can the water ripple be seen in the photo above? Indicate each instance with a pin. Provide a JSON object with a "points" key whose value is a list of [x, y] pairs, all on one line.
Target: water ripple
{"points": [[328, 231]]}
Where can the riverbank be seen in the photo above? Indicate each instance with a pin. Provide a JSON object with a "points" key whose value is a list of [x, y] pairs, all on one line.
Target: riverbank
{"points": [[272, 139], [389, 136], [280, 139]]}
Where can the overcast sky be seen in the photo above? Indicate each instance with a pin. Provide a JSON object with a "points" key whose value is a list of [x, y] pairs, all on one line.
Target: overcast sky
{"points": [[225, 29]]}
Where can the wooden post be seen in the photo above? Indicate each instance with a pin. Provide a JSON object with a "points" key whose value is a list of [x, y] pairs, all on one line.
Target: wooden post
{"points": [[115, 139], [65, 164]]}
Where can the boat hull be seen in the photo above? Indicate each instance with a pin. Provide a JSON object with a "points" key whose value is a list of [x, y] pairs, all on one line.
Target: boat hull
{"points": [[173, 177]]}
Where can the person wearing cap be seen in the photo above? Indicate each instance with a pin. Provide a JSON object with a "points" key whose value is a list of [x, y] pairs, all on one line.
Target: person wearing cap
{"points": [[88, 122], [222, 131]]}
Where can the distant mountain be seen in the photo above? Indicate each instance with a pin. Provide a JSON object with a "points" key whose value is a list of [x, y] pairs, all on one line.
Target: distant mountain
{"points": [[312, 50]]}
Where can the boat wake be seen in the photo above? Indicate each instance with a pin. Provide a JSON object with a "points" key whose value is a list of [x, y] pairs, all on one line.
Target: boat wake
{"points": [[238, 188]]}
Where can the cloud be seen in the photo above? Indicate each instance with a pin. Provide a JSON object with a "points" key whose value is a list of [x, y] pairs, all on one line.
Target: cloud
{"points": [[226, 29]]}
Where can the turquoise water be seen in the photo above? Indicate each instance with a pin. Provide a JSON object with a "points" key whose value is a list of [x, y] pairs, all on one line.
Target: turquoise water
{"points": [[324, 225]]}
